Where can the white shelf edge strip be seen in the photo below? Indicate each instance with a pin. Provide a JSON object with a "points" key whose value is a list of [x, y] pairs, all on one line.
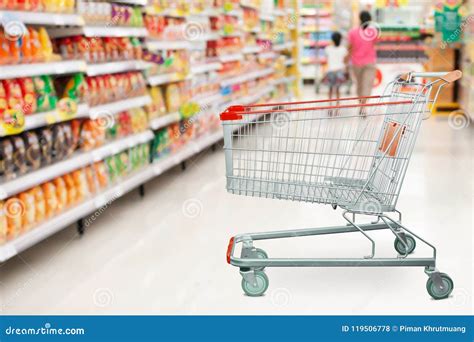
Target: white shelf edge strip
{"points": [[114, 67], [75, 162], [41, 18], [164, 121], [164, 78], [101, 30], [202, 68], [37, 69], [247, 77], [119, 106], [167, 45]]}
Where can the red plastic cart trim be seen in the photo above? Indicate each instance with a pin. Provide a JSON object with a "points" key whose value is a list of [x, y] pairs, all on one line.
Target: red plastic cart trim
{"points": [[237, 115], [229, 249]]}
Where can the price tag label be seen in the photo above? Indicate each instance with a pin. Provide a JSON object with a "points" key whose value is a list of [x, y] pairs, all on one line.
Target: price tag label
{"points": [[13, 122]]}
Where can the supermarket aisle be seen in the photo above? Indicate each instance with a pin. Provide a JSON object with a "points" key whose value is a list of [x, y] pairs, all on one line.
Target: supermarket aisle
{"points": [[165, 254]]}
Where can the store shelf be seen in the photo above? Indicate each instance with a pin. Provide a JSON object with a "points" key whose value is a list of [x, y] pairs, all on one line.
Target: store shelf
{"points": [[247, 77], [114, 67], [37, 69], [41, 18], [119, 106], [289, 62], [48, 118], [168, 45], [165, 78], [31, 179], [202, 68], [164, 121], [283, 80], [133, 2], [284, 46], [267, 55], [105, 30], [190, 149], [208, 100], [252, 49], [266, 17], [120, 145], [231, 57], [59, 222]]}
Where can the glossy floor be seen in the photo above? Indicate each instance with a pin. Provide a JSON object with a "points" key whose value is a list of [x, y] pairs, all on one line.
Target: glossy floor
{"points": [[165, 253]]}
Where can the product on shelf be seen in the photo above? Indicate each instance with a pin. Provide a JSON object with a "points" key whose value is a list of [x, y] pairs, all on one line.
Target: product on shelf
{"points": [[101, 12], [167, 61], [52, 6], [157, 106], [97, 49], [32, 47], [109, 88]]}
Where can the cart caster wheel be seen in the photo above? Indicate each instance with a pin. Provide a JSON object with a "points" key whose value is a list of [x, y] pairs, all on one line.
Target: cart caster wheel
{"points": [[400, 248], [440, 293], [261, 254], [260, 286]]}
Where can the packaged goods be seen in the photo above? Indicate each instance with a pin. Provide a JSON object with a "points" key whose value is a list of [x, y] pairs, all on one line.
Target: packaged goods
{"points": [[80, 183], [13, 94], [27, 199], [70, 189], [19, 155], [33, 150], [51, 200], [58, 148], [46, 144], [91, 180], [40, 204], [14, 210], [101, 174], [61, 193], [7, 166], [28, 93]]}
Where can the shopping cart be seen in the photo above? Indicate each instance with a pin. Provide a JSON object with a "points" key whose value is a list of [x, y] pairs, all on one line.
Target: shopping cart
{"points": [[350, 152]]}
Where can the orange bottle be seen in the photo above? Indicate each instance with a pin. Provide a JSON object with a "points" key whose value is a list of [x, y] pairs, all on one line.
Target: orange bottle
{"points": [[51, 199], [14, 210], [61, 193], [40, 205], [45, 42], [28, 218]]}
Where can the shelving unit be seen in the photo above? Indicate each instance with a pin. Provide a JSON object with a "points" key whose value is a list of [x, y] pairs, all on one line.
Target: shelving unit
{"points": [[66, 25]]}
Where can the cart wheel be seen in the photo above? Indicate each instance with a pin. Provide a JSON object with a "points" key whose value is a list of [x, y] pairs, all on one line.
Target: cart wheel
{"points": [[261, 254], [400, 248], [260, 286], [440, 293]]}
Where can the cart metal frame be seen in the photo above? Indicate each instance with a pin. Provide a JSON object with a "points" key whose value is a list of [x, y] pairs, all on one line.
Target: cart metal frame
{"points": [[341, 191]]}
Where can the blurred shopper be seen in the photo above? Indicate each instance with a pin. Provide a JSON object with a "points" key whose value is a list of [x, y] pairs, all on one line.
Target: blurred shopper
{"points": [[336, 67], [362, 54]]}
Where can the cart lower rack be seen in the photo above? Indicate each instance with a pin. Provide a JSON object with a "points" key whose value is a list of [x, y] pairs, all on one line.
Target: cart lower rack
{"points": [[351, 153]]}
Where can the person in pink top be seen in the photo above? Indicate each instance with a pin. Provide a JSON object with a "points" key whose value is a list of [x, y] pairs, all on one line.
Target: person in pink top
{"points": [[362, 54]]}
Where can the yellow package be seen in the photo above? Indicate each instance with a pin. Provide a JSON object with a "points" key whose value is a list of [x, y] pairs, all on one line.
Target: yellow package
{"points": [[173, 98]]}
